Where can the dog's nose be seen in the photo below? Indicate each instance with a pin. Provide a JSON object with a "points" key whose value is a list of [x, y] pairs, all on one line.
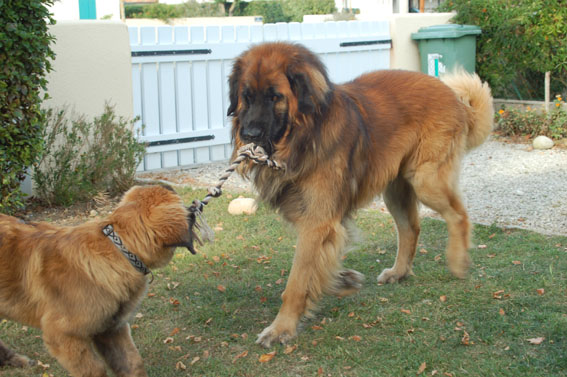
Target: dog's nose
{"points": [[251, 132]]}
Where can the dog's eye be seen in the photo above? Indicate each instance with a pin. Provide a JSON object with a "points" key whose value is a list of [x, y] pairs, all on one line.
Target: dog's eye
{"points": [[276, 97]]}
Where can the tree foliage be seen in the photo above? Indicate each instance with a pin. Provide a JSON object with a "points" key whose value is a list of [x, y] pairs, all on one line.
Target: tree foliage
{"points": [[25, 55], [520, 41]]}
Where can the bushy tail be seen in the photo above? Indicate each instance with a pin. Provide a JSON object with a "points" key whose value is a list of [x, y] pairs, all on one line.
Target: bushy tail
{"points": [[477, 98]]}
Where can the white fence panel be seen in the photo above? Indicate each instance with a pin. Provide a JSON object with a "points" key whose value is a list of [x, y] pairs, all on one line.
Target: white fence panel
{"points": [[180, 78]]}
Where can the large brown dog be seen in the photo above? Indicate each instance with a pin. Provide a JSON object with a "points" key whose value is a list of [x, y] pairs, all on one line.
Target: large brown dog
{"points": [[79, 288], [399, 133]]}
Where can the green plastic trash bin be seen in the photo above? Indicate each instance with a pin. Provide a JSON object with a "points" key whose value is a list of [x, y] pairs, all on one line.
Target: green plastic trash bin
{"points": [[445, 47]]}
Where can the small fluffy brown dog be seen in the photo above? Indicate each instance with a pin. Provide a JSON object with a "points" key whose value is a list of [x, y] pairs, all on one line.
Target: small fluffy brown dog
{"points": [[79, 288], [399, 133]]}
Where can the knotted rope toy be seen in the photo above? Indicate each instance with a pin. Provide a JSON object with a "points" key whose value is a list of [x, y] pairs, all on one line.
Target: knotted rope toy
{"points": [[252, 152]]}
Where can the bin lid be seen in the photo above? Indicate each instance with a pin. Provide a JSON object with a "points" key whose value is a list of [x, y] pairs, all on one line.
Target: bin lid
{"points": [[446, 31]]}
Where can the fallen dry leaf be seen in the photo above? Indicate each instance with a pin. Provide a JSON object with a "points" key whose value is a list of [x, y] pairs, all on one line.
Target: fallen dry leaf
{"points": [[316, 327], [516, 262], [290, 349], [423, 251], [267, 357], [221, 288], [279, 281], [502, 312], [406, 311], [498, 294], [216, 258], [240, 356], [356, 338], [208, 321], [320, 371], [174, 301], [482, 246], [351, 314], [465, 339], [540, 291], [536, 341], [168, 340], [443, 298], [180, 366], [421, 368], [195, 359], [174, 331]]}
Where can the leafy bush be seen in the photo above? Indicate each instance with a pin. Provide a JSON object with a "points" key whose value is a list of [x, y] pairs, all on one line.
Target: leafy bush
{"points": [[83, 158], [271, 11], [295, 9], [530, 122], [165, 12], [133, 10], [25, 54], [194, 9], [520, 40]]}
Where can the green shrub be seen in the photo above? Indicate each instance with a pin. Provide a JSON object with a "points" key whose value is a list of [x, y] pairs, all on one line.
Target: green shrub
{"points": [[25, 55], [520, 41], [83, 158], [295, 9], [133, 10], [165, 12], [271, 11], [194, 9], [531, 122]]}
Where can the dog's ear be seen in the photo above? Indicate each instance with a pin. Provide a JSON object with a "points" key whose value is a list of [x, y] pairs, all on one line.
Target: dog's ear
{"points": [[234, 86], [310, 86], [300, 87]]}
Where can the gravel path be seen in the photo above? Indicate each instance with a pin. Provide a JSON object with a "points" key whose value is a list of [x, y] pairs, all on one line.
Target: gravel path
{"points": [[509, 185]]}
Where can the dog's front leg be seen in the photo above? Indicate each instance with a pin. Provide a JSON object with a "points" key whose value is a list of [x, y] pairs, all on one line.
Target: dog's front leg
{"points": [[315, 271], [120, 353], [73, 352], [9, 357]]}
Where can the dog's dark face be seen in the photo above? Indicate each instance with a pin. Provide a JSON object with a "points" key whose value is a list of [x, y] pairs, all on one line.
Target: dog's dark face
{"points": [[273, 86], [263, 117]]}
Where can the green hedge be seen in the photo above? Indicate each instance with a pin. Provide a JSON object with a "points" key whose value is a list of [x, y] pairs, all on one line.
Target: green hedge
{"points": [[25, 54], [274, 11], [520, 41]]}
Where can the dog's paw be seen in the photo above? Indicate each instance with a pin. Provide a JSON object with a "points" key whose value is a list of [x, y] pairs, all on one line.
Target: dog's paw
{"points": [[389, 275], [20, 361], [271, 336], [349, 282], [459, 266]]}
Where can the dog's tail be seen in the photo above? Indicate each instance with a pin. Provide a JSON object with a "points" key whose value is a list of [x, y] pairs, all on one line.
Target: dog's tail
{"points": [[477, 98]]}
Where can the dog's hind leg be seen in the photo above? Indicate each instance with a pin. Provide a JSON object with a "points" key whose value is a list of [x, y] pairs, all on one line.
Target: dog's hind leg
{"points": [[10, 358], [315, 271], [74, 353], [436, 188], [401, 201], [120, 353]]}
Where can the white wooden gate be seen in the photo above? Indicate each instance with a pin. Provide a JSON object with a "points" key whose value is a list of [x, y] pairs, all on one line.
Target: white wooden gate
{"points": [[180, 78]]}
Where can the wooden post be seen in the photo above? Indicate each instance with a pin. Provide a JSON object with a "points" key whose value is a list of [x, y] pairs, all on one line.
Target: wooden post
{"points": [[122, 12], [547, 90], [421, 6]]}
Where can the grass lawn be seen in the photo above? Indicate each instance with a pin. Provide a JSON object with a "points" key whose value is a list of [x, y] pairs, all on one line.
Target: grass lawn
{"points": [[203, 312]]}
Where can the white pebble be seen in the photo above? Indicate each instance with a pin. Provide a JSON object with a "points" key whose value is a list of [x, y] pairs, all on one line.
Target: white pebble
{"points": [[542, 142], [242, 206]]}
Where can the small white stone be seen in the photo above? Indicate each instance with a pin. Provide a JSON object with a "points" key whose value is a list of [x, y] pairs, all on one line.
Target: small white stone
{"points": [[93, 213], [542, 142], [242, 206]]}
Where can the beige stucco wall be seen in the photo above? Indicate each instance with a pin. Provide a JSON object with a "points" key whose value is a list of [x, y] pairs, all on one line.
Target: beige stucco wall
{"points": [[92, 66], [405, 53]]}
